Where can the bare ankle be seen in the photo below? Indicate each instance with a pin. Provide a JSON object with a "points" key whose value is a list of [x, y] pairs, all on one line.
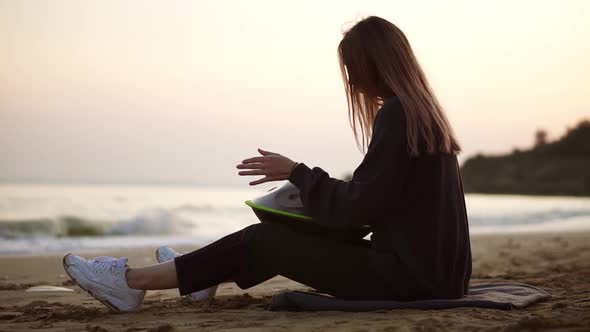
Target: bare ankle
{"points": [[134, 279]]}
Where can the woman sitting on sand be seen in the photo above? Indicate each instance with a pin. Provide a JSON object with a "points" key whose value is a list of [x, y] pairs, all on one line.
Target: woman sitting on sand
{"points": [[407, 189]]}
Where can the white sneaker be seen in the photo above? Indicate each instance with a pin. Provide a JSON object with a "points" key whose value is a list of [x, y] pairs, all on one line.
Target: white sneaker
{"points": [[104, 278], [164, 254]]}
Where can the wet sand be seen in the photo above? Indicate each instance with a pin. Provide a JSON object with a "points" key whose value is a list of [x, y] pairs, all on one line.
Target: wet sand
{"points": [[558, 263]]}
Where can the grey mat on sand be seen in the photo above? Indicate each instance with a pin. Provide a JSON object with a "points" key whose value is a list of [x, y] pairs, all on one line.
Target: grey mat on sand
{"points": [[494, 296]]}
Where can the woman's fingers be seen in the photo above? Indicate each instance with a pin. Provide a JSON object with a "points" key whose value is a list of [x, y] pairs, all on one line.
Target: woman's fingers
{"points": [[271, 165], [266, 153], [252, 166], [256, 172], [265, 179], [259, 181], [254, 160]]}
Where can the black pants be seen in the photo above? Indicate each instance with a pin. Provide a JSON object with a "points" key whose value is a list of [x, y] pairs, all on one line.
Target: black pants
{"points": [[340, 267]]}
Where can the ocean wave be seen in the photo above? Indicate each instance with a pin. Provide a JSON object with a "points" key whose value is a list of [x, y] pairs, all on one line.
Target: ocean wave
{"points": [[575, 224], [204, 220], [154, 222], [528, 217], [150, 222], [60, 226], [195, 208]]}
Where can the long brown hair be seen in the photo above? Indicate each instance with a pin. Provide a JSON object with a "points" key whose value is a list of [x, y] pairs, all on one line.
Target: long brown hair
{"points": [[377, 62]]}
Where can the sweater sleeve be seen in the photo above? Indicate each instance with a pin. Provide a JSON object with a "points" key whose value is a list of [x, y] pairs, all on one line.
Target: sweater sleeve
{"points": [[376, 182]]}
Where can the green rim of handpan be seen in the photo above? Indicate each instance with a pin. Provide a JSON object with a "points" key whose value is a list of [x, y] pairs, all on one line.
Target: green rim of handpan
{"points": [[279, 212]]}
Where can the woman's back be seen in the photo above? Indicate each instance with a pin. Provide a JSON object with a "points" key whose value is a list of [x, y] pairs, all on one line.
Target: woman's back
{"points": [[425, 223], [414, 205]]}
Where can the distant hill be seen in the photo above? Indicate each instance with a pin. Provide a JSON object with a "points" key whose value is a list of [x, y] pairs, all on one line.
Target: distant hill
{"points": [[561, 167]]}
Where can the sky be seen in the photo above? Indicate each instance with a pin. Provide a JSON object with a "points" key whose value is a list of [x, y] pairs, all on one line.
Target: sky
{"points": [[179, 92]]}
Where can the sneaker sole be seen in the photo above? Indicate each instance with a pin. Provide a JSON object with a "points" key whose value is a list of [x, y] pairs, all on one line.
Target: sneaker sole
{"points": [[105, 302], [158, 256]]}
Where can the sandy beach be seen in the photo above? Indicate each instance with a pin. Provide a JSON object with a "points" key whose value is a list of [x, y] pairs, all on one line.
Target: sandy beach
{"points": [[558, 263]]}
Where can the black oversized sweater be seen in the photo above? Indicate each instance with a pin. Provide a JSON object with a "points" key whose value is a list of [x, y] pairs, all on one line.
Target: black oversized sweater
{"points": [[415, 206]]}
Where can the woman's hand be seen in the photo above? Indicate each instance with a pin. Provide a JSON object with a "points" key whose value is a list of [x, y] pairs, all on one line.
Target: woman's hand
{"points": [[272, 165]]}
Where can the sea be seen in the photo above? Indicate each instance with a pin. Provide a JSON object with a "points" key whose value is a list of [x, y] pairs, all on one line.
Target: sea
{"points": [[52, 218]]}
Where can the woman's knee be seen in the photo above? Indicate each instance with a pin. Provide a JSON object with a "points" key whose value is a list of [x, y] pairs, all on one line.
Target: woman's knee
{"points": [[264, 233], [263, 228]]}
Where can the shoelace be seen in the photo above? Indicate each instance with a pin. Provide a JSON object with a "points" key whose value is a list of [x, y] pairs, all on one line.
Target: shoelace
{"points": [[105, 263]]}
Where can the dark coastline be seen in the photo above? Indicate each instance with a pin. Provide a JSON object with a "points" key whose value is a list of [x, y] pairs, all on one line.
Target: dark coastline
{"points": [[557, 168]]}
